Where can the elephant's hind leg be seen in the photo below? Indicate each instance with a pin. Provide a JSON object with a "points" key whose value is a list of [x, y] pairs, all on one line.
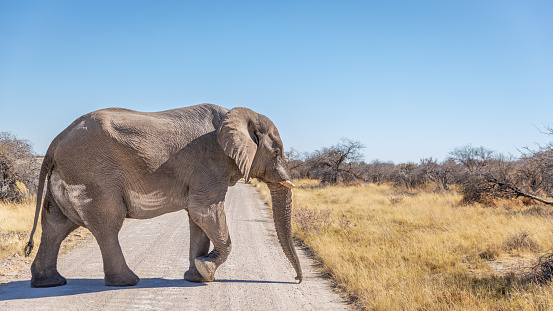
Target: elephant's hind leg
{"points": [[116, 271], [55, 227], [105, 224]]}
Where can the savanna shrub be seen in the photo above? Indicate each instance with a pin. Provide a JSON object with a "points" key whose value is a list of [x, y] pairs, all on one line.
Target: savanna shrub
{"points": [[19, 168], [311, 219]]}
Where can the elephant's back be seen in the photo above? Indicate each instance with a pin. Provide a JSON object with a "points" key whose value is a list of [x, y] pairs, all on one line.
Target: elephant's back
{"points": [[145, 139], [175, 127]]}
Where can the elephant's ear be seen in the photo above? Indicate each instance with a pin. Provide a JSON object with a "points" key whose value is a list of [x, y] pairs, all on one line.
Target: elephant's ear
{"points": [[238, 139]]}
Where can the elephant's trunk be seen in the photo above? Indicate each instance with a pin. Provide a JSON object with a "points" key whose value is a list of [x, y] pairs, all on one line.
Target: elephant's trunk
{"points": [[282, 213]]}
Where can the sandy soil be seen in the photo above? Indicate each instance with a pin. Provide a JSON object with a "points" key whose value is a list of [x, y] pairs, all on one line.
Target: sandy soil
{"points": [[256, 276]]}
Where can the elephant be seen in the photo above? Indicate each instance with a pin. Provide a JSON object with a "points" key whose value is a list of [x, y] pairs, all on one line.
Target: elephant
{"points": [[116, 163]]}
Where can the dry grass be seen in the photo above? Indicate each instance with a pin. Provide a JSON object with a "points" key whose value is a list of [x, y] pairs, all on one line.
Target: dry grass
{"points": [[424, 251], [16, 221]]}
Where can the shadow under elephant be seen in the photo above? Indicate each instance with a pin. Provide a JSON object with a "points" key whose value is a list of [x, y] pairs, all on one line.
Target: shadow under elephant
{"points": [[21, 290]]}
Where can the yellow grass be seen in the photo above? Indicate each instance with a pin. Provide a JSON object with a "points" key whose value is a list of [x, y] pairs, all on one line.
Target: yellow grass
{"points": [[16, 221], [394, 251]]}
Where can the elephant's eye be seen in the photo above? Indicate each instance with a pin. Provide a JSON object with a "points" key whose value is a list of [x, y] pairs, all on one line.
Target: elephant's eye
{"points": [[276, 151]]}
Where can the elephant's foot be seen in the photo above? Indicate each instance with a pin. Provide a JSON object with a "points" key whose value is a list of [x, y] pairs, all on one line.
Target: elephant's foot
{"points": [[192, 275], [124, 279], [52, 280], [206, 268]]}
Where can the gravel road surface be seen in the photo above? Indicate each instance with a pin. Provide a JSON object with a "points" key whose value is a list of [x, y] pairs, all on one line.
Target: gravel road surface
{"points": [[256, 276]]}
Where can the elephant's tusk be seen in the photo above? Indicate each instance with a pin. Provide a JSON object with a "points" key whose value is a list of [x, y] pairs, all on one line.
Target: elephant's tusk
{"points": [[288, 184]]}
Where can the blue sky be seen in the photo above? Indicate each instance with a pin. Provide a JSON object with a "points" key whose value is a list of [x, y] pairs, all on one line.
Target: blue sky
{"points": [[409, 79]]}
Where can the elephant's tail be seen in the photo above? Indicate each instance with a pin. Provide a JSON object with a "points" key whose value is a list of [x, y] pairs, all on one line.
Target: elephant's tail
{"points": [[45, 170]]}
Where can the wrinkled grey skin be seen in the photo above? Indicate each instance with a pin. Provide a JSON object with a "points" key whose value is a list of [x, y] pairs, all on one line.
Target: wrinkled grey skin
{"points": [[115, 163]]}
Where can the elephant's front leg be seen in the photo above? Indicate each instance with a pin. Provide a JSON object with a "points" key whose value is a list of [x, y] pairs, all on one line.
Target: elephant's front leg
{"points": [[199, 246], [212, 221]]}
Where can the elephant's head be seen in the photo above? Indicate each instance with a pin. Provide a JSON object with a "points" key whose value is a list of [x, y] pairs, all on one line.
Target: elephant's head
{"points": [[252, 140]]}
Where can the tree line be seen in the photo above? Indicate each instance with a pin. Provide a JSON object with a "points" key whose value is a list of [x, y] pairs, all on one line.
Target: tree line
{"points": [[478, 173]]}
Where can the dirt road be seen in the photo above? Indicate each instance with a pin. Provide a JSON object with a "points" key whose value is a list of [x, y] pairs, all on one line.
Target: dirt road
{"points": [[256, 276]]}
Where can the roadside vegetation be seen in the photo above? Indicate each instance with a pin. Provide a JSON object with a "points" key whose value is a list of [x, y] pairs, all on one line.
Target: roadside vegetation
{"points": [[472, 232], [388, 249], [16, 220], [19, 168]]}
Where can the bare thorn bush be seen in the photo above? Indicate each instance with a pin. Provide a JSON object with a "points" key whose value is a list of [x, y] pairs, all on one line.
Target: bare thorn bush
{"points": [[395, 200], [521, 241], [18, 168], [344, 222], [311, 219], [543, 270], [491, 252]]}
